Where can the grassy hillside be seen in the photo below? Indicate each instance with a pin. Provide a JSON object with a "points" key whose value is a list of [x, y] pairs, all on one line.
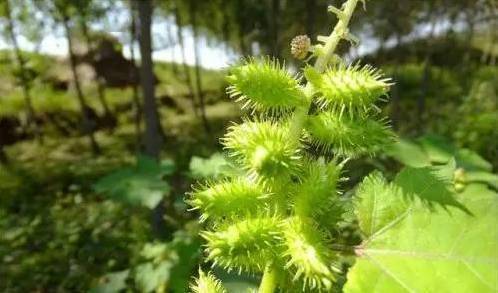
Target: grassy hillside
{"points": [[48, 99]]}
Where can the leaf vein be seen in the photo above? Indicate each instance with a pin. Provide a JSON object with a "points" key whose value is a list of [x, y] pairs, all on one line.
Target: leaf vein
{"points": [[389, 274]]}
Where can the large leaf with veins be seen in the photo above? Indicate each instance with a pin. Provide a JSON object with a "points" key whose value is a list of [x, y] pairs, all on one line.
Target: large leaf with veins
{"points": [[432, 250]]}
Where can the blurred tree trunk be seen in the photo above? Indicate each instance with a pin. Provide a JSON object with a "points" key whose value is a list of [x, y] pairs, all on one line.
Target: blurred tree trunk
{"points": [[153, 139], [88, 123], [26, 88], [242, 42], [395, 102], [310, 17], [274, 28], [135, 94], [108, 116], [245, 49], [179, 32], [426, 75], [198, 78], [225, 26]]}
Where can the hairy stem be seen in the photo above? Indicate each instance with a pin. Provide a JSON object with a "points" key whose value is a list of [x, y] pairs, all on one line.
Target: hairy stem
{"points": [[339, 32], [269, 280]]}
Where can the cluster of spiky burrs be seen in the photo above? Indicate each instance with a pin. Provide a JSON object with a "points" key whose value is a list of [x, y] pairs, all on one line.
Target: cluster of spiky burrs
{"points": [[273, 216]]}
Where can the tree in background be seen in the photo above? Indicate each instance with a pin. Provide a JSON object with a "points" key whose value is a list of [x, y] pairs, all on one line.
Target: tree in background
{"points": [[24, 76], [153, 139], [87, 12], [171, 8], [135, 93], [188, 79], [198, 78], [63, 12]]}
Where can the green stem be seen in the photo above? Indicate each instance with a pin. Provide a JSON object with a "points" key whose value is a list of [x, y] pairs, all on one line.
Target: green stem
{"points": [[339, 32], [269, 280]]}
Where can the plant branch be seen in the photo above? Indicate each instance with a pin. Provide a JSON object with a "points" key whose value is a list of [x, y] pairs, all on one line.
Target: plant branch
{"points": [[326, 53], [269, 280]]}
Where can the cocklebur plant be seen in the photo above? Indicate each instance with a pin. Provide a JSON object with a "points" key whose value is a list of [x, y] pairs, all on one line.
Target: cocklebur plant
{"points": [[276, 219]]}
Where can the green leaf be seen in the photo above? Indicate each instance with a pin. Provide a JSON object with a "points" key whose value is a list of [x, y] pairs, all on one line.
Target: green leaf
{"points": [[409, 153], [169, 264], [433, 149], [438, 149], [213, 167], [483, 177], [431, 185], [470, 160], [378, 203], [433, 251], [141, 185], [153, 251], [151, 276], [149, 165], [188, 250], [112, 283]]}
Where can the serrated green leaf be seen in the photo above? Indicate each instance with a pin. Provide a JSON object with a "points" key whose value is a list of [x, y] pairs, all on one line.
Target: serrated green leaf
{"points": [[378, 203], [431, 185], [445, 172], [433, 251]]}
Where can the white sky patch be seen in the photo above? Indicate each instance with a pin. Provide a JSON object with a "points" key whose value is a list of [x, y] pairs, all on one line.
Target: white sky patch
{"points": [[212, 56]]}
